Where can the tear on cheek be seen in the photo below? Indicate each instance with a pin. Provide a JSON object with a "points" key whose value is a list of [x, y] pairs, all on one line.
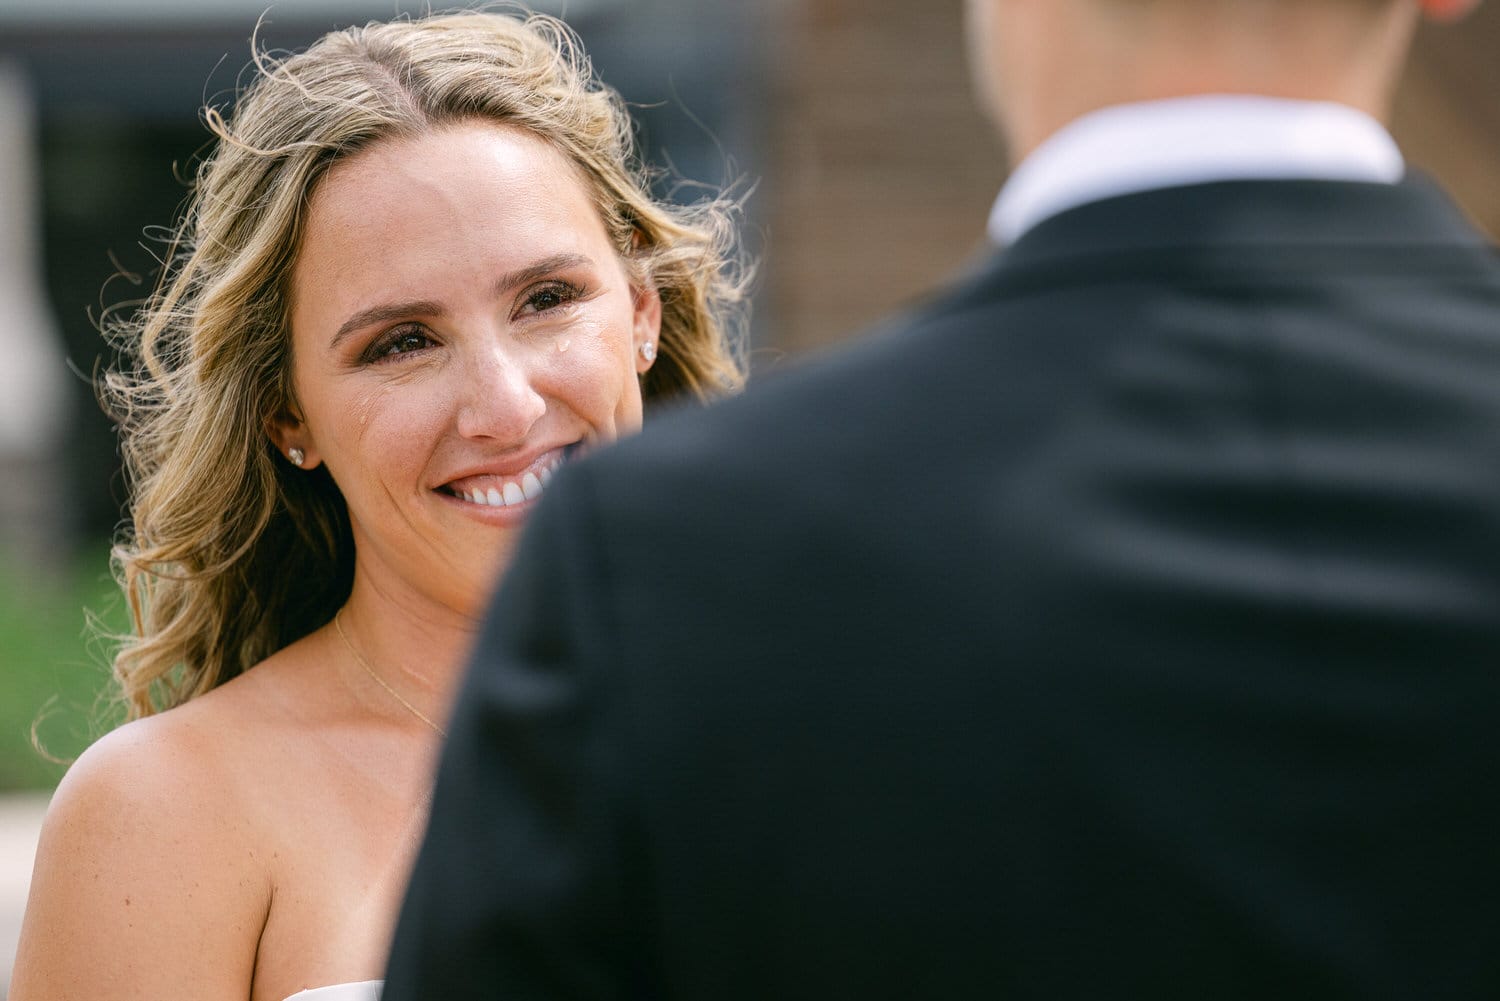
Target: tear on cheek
{"points": [[365, 407]]}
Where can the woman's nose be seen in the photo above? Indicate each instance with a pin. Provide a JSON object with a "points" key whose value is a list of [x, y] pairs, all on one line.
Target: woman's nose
{"points": [[499, 399]]}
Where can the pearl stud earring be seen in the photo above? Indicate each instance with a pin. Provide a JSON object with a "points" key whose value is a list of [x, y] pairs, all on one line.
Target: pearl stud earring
{"points": [[648, 351], [297, 456]]}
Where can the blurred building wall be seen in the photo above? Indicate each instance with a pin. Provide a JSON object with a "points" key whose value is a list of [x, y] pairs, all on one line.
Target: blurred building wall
{"points": [[882, 169], [1447, 115]]}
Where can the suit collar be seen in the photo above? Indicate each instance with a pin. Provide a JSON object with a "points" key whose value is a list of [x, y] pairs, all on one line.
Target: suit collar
{"points": [[1235, 215], [1192, 140]]}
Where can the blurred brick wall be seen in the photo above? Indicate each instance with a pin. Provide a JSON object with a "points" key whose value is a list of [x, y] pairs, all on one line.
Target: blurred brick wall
{"points": [[882, 169], [1447, 115]]}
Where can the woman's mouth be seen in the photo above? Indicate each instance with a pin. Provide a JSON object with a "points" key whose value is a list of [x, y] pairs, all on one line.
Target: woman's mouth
{"points": [[493, 490]]}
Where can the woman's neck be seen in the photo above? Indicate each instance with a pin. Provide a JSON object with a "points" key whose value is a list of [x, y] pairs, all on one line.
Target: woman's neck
{"points": [[413, 646]]}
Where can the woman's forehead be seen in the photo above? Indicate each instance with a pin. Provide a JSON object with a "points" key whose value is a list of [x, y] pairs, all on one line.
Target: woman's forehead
{"points": [[440, 215]]}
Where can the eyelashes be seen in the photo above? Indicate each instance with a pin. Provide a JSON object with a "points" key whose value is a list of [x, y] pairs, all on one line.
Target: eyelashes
{"points": [[549, 295], [405, 339], [412, 338]]}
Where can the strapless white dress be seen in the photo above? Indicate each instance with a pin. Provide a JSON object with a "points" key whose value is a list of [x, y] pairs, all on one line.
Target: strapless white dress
{"points": [[369, 990]]}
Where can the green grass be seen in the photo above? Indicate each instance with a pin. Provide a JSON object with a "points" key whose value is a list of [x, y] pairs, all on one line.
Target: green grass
{"points": [[54, 673]]}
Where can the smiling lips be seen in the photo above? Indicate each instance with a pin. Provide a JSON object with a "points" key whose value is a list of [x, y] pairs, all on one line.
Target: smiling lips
{"points": [[502, 491]]}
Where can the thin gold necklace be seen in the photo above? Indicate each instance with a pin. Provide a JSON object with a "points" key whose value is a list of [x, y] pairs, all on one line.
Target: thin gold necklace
{"points": [[419, 714]]}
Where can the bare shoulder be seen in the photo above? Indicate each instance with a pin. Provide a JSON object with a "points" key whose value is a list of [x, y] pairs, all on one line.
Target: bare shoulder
{"points": [[147, 881], [171, 775]]}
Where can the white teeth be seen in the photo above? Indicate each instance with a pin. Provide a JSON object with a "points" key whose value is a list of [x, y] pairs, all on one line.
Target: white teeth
{"points": [[511, 492]]}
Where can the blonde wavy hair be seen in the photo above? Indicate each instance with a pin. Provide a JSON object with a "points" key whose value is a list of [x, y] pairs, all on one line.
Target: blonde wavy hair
{"points": [[231, 554]]}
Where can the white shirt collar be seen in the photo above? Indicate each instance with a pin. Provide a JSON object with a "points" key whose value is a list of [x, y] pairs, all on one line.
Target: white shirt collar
{"points": [[1191, 140]]}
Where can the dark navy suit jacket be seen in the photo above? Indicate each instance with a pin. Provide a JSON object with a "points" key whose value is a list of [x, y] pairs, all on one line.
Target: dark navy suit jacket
{"points": [[1123, 623]]}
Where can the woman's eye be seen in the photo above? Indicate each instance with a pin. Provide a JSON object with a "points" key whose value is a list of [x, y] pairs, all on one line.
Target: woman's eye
{"points": [[399, 342], [549, 296]]}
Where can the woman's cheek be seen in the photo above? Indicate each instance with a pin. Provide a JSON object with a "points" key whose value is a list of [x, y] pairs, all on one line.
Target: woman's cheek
{"points": [[592, 375], [362, 410]]}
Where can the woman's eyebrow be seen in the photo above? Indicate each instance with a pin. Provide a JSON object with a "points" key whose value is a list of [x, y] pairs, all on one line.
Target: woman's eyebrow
{"points": [[541, 269], [382, 313]]}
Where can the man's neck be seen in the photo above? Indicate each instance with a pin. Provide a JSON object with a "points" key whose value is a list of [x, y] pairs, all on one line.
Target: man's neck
{"points": [[1081, 62]]}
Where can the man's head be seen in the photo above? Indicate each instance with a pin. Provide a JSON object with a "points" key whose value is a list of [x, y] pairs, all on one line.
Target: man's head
{"points": [[1041, 63]]}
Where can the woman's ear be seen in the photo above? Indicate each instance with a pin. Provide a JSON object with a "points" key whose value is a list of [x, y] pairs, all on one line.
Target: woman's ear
{"points": [[289, 434], [646, 329]]}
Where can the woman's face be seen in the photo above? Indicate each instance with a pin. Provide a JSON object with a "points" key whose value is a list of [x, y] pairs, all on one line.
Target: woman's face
{"points": [[461, 324]]}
